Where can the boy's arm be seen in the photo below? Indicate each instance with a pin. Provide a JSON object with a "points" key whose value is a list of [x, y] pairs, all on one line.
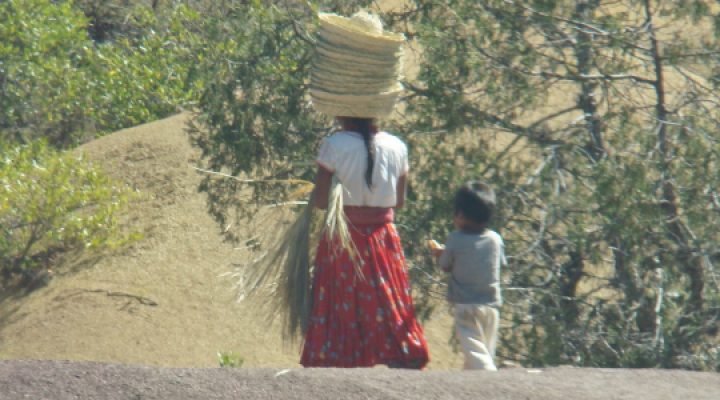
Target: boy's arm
{"points": [[445, 260]]}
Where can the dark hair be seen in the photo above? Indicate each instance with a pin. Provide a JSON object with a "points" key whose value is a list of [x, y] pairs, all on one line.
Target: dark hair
{"points": [[476, 201], [365, 128]]}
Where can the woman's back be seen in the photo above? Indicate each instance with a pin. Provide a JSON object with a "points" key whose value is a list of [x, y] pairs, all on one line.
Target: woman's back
{"points": [[345, 155]]}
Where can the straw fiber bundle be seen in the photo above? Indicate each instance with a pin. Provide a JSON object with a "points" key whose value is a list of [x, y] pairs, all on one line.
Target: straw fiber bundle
{"points": [[286, 268], [356, 67]]}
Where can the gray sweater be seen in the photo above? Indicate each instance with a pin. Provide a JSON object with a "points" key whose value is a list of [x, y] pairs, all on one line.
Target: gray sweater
{"points": [[473, 261]]}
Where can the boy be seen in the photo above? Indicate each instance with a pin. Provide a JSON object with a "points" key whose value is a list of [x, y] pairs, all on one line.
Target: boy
{"points": [[472, 256]]}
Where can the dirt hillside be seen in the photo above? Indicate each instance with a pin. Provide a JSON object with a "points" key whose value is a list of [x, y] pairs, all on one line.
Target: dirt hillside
{"points": [[161, 301]]}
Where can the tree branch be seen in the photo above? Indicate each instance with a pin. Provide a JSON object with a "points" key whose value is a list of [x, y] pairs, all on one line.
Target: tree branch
{"points": [[580, 77], [578, 24]]}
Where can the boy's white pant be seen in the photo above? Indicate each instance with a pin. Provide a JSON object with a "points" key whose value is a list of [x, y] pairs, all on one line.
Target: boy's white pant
{"points": [[476, 328]]}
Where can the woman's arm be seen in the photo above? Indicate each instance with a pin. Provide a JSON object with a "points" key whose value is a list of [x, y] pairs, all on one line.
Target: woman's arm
{"points": [[323, 180], [400, 191]]}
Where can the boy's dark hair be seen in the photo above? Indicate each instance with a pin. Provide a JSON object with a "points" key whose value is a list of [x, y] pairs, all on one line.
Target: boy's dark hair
{"points": [[476, 201]]}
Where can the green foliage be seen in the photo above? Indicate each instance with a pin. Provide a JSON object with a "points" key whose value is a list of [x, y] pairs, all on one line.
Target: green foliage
{"points": [[229, 360], [112, 19], [57, 84], [44, 90], [150, 75], [53, 202]]}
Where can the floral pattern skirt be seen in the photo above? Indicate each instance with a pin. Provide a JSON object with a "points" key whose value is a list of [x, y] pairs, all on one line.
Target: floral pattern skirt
{"points": [[367, 318]]}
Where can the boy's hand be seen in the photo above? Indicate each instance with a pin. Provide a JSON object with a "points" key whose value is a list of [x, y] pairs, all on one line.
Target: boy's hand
{"points": [[436, 249]]}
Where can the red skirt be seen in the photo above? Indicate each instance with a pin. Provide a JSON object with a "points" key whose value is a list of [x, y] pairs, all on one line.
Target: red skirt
{"points": [[361, 321]]}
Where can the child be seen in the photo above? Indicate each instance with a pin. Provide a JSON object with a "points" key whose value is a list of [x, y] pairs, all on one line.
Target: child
{"points": [[472, 256]]}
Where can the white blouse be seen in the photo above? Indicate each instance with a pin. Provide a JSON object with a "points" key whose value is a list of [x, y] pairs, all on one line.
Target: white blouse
{"points": [[343, 153]]}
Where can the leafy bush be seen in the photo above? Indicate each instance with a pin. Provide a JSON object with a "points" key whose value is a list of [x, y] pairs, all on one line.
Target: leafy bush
{"points": [[45, 90], [53, 202], [148, 76], [108, 19], [229, 360], [57, 84]]}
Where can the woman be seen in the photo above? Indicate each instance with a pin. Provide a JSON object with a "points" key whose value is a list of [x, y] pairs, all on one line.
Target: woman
{"points": [[362, 311]]}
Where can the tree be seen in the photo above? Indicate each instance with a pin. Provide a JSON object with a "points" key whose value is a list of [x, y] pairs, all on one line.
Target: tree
{"points": [[595, 121], [612, 227]]}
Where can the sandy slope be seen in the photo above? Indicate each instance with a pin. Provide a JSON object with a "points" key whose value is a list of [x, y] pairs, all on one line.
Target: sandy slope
{"points": [[162, 301]]}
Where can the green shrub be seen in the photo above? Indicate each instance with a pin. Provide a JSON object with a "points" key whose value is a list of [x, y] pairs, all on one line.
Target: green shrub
{"points": [[44, 87], [59, 85], [229, 360], [108, 19], [147, 76], [52, 202]]}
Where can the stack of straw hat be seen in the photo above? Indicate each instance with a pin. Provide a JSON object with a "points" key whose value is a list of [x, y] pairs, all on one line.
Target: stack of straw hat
{"points": [[356, 68]]}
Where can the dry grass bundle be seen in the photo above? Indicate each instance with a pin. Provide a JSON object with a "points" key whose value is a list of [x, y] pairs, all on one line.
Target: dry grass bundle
{"points": [[286, 267], [336, 225], [284, 271]]}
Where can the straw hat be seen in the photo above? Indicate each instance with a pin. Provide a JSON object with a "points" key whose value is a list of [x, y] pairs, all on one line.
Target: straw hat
{"points": [[356, 67]]}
